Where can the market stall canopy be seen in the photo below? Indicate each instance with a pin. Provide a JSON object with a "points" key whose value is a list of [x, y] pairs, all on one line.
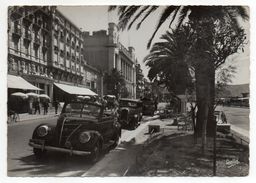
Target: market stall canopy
{"points": [[18, 82], [19, 94], [74, 90], [31, 94], [44, 96]]}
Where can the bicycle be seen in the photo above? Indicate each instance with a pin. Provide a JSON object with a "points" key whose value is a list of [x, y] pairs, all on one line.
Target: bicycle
{"points": [[13, 117]]}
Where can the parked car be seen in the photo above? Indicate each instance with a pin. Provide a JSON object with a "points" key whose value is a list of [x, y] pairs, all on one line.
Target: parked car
{"points": [[83, 128], [130, 112], [222, 123], [148, 106]]}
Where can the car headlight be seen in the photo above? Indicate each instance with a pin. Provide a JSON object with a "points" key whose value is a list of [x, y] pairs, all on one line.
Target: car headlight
{"points": [[42, 131], [84, 137]]}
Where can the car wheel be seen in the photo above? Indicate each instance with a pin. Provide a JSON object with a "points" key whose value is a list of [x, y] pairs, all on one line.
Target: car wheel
{"points": [[95, 153], [39, 153]]}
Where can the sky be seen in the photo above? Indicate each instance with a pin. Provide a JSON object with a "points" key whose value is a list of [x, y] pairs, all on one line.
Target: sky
{"points": [[94, 18]]}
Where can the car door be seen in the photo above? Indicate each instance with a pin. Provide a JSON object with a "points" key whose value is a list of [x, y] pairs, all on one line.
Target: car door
{"points": [[106, 125]]}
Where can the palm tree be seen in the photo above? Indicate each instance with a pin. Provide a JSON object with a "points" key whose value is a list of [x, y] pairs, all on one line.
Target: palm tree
{"points": [[168, 63], [202, 20]]}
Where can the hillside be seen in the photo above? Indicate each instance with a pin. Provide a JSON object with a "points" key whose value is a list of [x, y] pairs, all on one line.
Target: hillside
{"points": [[237, 90]]}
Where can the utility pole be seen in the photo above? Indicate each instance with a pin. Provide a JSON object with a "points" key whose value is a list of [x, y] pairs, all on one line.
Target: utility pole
{"points": [[101, 84], [214, 147]]}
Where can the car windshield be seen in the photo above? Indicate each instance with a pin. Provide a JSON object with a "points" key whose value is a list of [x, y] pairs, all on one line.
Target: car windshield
{"points": [[124, 103], [82, 109]]}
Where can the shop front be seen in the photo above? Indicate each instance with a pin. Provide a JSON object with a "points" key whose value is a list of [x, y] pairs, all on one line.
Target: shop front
{"points": [[17, 103]]}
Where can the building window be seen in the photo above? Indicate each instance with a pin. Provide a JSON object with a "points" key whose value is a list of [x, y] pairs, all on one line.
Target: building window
{"points": [[26, 50], [44, 56], [16, 46]]}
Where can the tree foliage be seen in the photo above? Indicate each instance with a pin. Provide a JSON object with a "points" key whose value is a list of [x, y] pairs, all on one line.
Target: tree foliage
{"points": [[115, 83], [129, 15]]}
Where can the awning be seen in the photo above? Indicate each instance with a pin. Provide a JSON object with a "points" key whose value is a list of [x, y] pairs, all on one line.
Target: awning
{"points": [[74, 90], [18, 82]]}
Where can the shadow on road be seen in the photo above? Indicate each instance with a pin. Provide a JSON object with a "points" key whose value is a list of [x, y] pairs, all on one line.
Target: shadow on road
{"points": [[51, 165]]}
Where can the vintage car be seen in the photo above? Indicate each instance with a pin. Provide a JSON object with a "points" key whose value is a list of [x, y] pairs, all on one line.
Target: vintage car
{"points": [[130, 112], [83, 128], [148, 106], [222, 124]]}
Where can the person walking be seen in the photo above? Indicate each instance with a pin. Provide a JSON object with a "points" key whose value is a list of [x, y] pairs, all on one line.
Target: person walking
{"points": [[37, 106], [45, 106], [56, 105]]}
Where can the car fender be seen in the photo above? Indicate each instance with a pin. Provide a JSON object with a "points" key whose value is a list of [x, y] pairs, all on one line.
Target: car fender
{"points": [[96, 136], [51, 130]]}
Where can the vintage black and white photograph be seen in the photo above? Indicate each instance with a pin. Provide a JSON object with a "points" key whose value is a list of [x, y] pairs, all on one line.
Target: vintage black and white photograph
{"points": [[128, 91]]}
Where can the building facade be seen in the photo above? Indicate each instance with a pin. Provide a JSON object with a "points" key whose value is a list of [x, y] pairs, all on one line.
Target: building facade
{"points": [[44, 47], [139, 82], [104, 51]]}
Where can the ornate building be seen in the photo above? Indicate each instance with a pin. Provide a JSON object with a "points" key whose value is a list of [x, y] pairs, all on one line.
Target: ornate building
{"points": [[139, 81], [44, 48], [104, 51]]}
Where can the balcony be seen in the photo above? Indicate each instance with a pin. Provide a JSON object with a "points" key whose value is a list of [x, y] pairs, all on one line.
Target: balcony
{"points": [[17, 31], [56, 49], [28, 19], [45, 45], [17, 12], [28, 36], [61, 53], [37, 40], [46, 27], [73, 44], [37, 24]]}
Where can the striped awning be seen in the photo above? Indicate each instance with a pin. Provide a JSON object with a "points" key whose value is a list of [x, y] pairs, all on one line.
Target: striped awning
{"points": [[18, 82], [74, 90]]}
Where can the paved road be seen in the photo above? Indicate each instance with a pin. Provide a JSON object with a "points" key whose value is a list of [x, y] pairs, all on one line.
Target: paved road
{"points": [[237, 116], [22, 163]]}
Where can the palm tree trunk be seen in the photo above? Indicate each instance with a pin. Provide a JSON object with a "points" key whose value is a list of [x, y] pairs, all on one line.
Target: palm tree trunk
{"points": [[203, 96]]}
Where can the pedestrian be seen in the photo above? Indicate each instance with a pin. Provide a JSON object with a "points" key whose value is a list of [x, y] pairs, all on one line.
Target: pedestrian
{"points": [[45, 106], [37, 106], [155, 103], [56, 105]]}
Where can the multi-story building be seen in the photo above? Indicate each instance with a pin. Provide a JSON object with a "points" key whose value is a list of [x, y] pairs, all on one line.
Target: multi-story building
{"points": [[139, 81], [104, 51], [44, 47]]}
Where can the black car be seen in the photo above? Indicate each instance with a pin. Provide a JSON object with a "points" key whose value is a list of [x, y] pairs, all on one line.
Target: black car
{"points": [[148, 106], [130, 112], [83, 128]]}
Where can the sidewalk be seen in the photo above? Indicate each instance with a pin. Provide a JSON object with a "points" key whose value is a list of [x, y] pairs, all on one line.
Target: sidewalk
{"points": [[123, 157], [174, 153], [28, 117]]}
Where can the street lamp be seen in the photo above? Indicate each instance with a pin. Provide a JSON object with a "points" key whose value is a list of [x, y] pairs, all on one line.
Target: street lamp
{"points": [[214, 146]]}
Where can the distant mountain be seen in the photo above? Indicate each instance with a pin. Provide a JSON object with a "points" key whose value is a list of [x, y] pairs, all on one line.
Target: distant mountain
{"points": [[236, 90]]}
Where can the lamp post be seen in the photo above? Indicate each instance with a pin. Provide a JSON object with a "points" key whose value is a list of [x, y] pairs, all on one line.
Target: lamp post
{"points": [[214, 147]]}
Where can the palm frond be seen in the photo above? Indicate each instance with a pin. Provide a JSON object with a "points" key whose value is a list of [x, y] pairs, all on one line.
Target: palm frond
{"points": [[126, 16], [121, 10], [137, 16], [112, 8], [151, 10], [166, 13], [183, 15], [174, 16], [241, 11]]}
